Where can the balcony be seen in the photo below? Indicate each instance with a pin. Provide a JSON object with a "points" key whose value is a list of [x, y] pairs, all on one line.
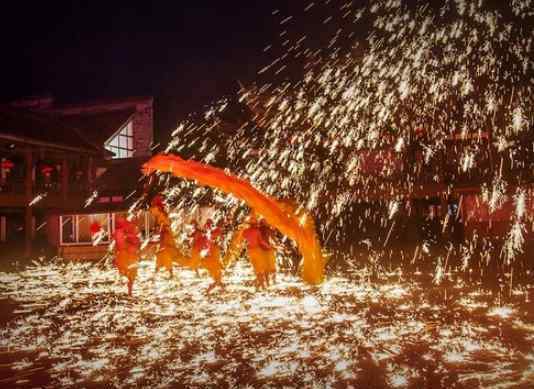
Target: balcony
{"points": [[14, 193]]}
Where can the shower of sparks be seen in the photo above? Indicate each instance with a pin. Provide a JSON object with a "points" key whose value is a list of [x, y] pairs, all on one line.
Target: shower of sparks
{"points": [[413, 101], [40, 226], [71, 324], [91, 199], [36, 199], [99, 237]]}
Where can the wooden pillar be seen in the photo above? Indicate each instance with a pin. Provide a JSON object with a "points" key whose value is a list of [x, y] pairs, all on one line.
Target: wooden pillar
{"points": [[28, 214], [64, 179], [3, 229]]}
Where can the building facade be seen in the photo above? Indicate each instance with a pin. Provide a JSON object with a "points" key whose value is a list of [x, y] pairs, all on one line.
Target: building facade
{"points": [[64, 167]]}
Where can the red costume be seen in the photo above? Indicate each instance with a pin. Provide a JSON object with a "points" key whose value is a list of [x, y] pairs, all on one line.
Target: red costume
{"points": [[212, 261], [167, 252], [200, 244], [260, 252], [127, 246]]}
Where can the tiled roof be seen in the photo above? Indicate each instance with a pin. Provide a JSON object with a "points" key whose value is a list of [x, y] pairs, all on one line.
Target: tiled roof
{"points": [[45, 130], [98, 127], [102, 104]]}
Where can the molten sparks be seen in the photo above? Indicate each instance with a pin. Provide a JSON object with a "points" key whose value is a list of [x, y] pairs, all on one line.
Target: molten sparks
{"points": [[172, 333]]}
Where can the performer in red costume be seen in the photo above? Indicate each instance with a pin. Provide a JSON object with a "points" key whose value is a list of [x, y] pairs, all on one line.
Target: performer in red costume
{"points": [[212, 261], [127, 246], [167, 251], [261, 254], [293, 222], [200, 244]]}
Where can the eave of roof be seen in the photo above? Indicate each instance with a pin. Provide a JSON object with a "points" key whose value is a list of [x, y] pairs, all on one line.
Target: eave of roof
{"points": [[43, 130], [35, 142], [103, 104], [99, 127]]}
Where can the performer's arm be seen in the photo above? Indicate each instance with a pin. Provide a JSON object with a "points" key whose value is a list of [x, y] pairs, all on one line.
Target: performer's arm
{"points": [[264, 243], [263, 238]]}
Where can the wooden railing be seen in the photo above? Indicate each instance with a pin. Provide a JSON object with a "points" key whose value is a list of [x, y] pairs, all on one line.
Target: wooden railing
{"points": [[17, 186]]}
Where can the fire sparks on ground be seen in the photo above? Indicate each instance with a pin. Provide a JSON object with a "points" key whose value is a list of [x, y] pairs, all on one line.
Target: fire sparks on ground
{"points": [[72, 324]]}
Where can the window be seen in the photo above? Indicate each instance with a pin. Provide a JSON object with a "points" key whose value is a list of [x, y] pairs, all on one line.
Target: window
{"points": [[121, 144], [84, 227], [68, 233], [147, 225], [84, 232], [76, 229]]}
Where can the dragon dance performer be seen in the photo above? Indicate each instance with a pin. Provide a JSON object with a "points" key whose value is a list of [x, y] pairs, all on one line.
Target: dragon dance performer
{"points": [[299, 229], [127, 244], [212, 261], [167, 252], [270, 256], [260, 252], [200, 243]]}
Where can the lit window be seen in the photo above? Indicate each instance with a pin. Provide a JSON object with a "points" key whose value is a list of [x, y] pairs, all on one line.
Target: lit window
{"points": [[146, 223], [84, 227], [68, 233], [76, 229], [122, 143]]}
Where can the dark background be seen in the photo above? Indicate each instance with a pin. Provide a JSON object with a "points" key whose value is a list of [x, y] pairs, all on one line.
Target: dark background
{"points": [[184, 53]]}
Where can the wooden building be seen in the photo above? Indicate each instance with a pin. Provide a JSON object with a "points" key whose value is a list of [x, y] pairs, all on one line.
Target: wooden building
{"points": [[56, 166]]}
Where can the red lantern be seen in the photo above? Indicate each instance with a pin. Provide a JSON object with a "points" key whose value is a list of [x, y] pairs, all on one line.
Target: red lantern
{"points": [[5, 167], [7, 164], [47, 170]]}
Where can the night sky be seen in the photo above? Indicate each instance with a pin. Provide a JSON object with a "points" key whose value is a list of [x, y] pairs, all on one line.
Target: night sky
{"points": [[184, 53]]}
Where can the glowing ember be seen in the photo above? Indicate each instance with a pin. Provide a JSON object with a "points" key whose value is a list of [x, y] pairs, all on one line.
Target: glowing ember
{"points": [[502, 312], [36, 199], [433, 98], [72, 324], [91, 199], [427, 99]]}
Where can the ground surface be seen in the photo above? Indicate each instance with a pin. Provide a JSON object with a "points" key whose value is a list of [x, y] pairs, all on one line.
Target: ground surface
{"points": [[71, 325]]}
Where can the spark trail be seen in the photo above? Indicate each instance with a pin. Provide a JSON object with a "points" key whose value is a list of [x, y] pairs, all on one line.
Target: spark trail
{"points": [[422, 97]]}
